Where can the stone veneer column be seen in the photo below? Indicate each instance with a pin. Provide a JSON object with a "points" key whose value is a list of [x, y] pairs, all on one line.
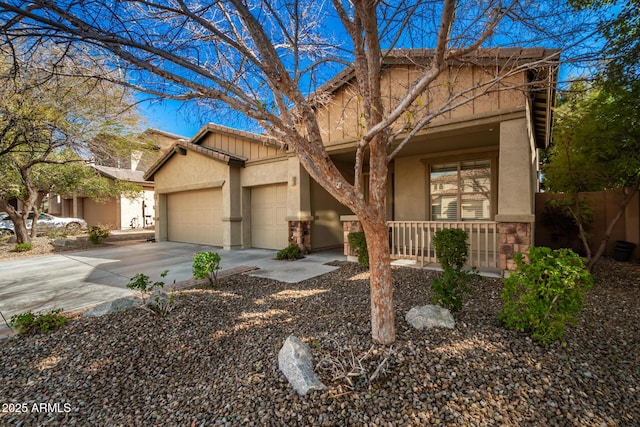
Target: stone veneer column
{"points": [[514, 237], [350, 224], [300, 235]]}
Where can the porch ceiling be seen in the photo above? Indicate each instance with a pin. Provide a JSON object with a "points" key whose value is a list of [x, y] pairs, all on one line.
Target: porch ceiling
{"points": [[487, 135], [455, 140]]}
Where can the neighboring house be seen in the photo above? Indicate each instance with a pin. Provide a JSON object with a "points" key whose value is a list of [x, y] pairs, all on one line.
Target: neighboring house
{"points": [[120, 213], [475, 167]]}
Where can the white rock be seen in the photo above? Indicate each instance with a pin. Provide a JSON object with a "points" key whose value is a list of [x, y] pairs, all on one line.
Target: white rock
{"points": [[158, 298], [294, 361], [111, 306], [430, 316]]}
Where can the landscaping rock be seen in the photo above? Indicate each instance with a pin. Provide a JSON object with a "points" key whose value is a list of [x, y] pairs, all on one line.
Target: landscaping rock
{"points": [[294, 361], [158, 298], [61, 243], [430, 316], [213, 360], [112, 307]]}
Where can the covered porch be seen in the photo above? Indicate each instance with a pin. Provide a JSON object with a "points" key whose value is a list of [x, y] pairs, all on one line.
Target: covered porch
{"points": [[482, 181]]}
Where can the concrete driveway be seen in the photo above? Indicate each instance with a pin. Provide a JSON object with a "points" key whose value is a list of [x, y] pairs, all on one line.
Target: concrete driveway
{"points": [[74, 280]]}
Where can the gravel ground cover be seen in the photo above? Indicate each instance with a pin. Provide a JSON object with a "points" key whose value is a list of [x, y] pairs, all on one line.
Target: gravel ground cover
{"points": [[213, 361]]}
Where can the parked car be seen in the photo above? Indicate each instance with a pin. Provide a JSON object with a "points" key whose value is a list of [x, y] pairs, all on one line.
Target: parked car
{"points": [[44, 224]]}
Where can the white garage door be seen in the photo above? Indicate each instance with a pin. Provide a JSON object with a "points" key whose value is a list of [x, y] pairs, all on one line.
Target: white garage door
{"points": [[269, 227], [195, 217]]}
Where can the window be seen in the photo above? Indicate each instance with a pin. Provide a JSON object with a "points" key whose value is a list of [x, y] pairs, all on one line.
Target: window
{"points": [[461, 191]]}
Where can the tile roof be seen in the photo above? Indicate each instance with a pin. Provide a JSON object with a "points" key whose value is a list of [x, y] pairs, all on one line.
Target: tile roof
{"points": [[121, 174]]}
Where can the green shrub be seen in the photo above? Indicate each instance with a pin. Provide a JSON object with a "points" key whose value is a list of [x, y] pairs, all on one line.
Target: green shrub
{"points": [[98, 234], [449, 292], [28, 323], [358, 243], [206, 265], [291, 252], [23, 247], [142, 283], [542, 296], [451, 247]]}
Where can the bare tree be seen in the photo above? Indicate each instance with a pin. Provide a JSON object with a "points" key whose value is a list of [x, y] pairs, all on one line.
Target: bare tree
{"points": [[265, 59]]}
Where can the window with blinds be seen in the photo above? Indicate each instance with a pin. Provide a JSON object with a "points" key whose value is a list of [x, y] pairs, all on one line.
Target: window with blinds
{"points": [[461, 191]]}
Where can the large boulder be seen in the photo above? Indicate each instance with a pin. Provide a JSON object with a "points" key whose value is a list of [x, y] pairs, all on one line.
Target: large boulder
{"points": [[62, 243], [294, 361], [430, 316], [112, 306]]}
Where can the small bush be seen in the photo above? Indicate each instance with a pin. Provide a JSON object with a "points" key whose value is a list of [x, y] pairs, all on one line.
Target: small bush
{"points": [[142, 283], [29, 323], [23, 247], [541, 297], [449, 292], [451, 249], [358, 243], [206, 265], [98, 234], [291, 252]]}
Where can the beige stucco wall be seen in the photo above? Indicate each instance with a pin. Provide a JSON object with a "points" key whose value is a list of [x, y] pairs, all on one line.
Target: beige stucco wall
{"points": [[518, 165], [265, 172], [326, 228], [298, 191], [105, 214], [190, 172], [410, 189]]}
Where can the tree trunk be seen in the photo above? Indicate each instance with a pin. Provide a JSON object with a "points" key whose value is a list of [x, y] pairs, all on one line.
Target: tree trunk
{"points": [[582, 234], [381, 286], [20, 228], [607, 234], [36, 215], [19, 221]]}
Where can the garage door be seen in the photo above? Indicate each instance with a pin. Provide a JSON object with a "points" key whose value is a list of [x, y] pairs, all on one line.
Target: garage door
{"points": [[269, 228], [195, 217]]}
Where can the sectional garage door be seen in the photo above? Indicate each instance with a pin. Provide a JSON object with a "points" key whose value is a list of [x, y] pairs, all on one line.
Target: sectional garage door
{"points": [[195, 217], [269, 227]]}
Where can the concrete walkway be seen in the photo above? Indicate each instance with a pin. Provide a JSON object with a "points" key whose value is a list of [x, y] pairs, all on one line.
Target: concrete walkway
{"points": [[74, 280]]}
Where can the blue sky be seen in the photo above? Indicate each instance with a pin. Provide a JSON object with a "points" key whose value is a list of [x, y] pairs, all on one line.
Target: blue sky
{"points": [[169, 117]]}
